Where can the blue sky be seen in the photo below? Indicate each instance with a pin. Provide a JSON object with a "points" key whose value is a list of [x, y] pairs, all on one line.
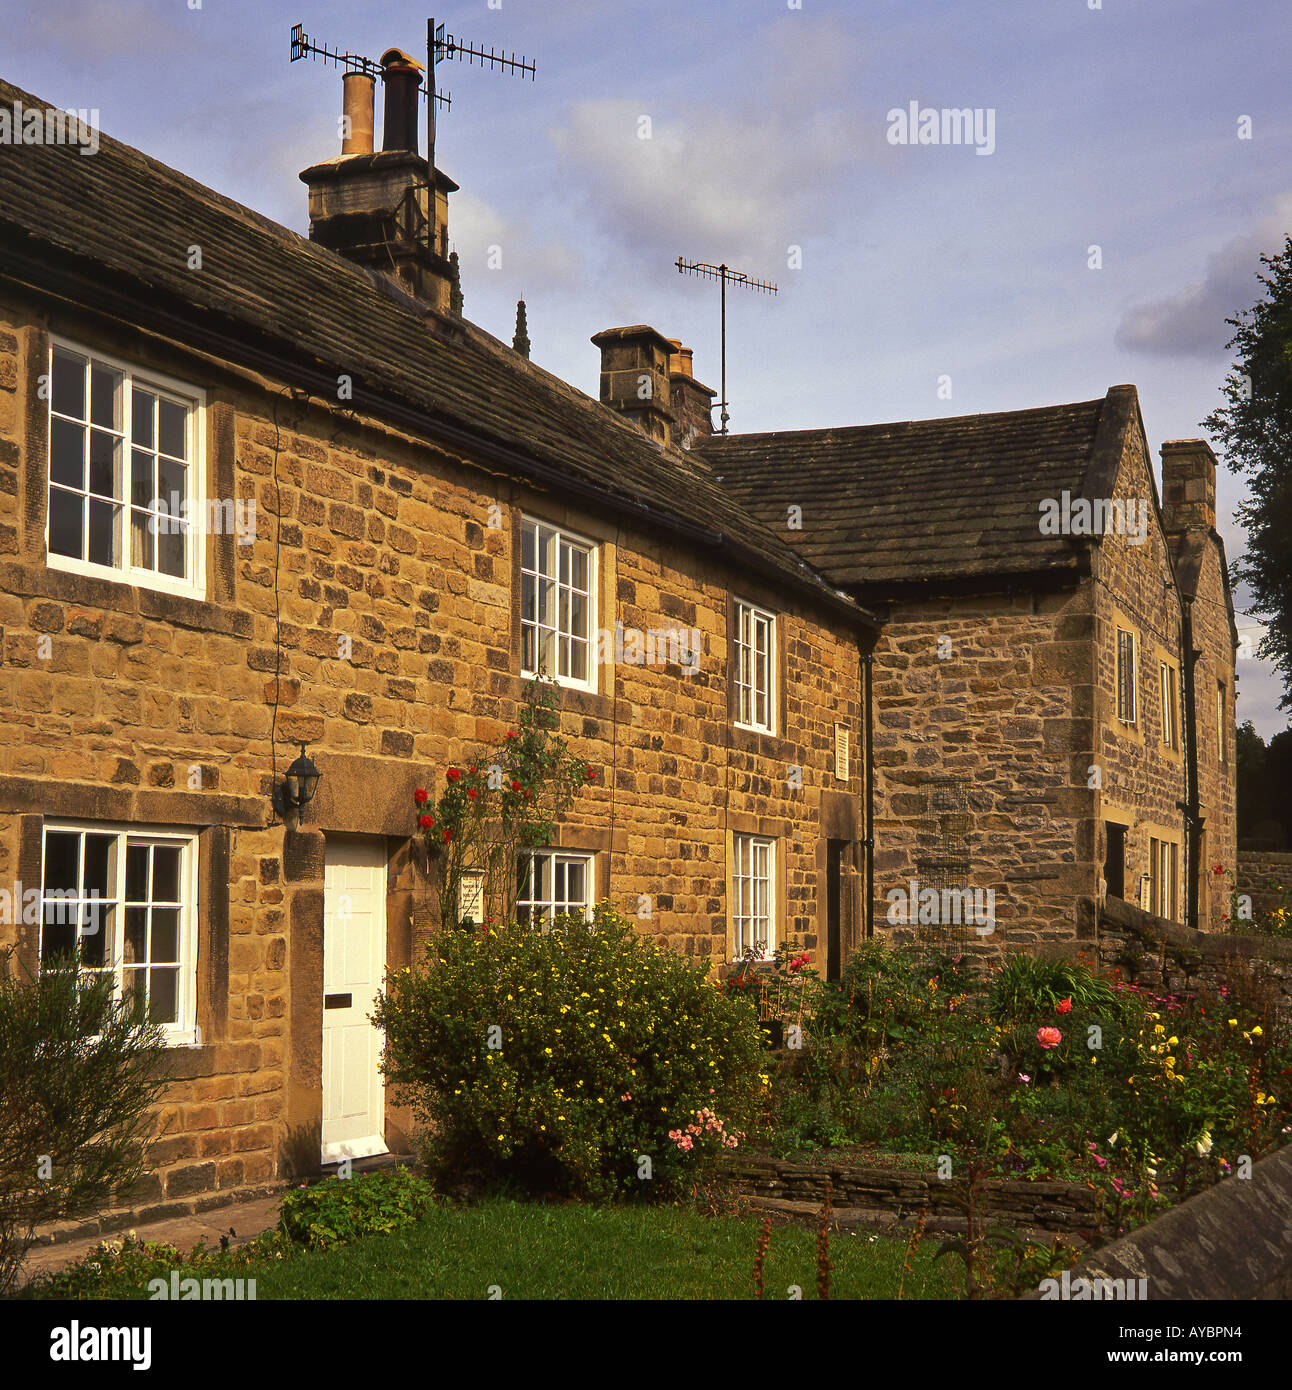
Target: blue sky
{"points": [[1115, 127]]}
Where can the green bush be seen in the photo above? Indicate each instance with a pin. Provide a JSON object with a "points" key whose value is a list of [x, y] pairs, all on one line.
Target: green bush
{"points": [[557, 1061], [78, 1076], [1026, 986], [340, 1209]]}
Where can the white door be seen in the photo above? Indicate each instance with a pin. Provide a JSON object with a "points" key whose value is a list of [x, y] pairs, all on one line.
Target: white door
{"points": [[354, 957]]}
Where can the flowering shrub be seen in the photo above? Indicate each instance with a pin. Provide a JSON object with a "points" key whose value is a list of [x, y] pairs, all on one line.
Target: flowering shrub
{"points": [[1046, 1070], [507, 801], [560, 1060], [786, 989]]}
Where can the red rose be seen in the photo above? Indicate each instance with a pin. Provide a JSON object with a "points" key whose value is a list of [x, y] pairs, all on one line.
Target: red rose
{"points": [[511, 733], [453, 774], [448, 835], [426, 822], [420, 795], [472, 771], [515, 786], [472, 793], [1217, 868], [1064, 1006], [529, 793], [591, 774]]}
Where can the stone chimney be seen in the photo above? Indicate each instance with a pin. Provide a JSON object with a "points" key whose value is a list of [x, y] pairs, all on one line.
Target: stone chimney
{"points": [[372, 207], [1188, 486], [635, 377], [692, 401]]}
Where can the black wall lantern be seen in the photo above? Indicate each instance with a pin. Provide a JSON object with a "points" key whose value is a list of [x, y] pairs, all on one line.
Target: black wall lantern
{"points": [[302, 781]]}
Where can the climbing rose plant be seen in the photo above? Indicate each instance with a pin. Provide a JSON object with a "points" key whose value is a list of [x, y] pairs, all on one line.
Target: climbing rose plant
{"points": [[506, 801]]}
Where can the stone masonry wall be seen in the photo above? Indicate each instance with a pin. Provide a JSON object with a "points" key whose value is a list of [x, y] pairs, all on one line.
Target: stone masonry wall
{"points": [[1142, 777], [388, 568], [994, 691], [1262, 875]]}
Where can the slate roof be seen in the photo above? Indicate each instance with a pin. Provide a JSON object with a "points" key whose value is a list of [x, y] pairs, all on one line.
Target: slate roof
{"points": [[122, 220], [898, 505]]}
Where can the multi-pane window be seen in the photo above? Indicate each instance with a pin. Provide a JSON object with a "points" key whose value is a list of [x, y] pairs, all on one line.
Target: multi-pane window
{"points": [[1222, 731], [753, 882], [1126, 676], [1164, 875], [1170, 725], [556, 578], [122, 904], [123, 475], [551, 884], [755, 651]]}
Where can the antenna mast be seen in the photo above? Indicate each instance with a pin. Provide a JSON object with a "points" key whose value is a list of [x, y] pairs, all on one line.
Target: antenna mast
{"points": [[439, 47], [723, 274]]}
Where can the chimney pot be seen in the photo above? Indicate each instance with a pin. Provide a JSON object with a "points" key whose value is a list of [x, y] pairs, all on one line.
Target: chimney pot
{"points": [[358, 103], [402, 78]]}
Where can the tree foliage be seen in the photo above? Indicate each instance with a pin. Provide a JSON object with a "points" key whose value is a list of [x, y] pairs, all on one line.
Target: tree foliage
{"points": [[78, 1077], [1254, 427]]}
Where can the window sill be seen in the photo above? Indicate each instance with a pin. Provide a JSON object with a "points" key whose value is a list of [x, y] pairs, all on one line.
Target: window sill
{"points": [[33, 580]]}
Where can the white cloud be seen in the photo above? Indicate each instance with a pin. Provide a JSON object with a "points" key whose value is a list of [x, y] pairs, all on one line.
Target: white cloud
{"points": [[1191, 322], [476, 228]]}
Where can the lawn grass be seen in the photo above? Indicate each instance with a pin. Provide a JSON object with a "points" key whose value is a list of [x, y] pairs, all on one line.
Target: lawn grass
{"points": [[574, 1251], [579, 1252]]}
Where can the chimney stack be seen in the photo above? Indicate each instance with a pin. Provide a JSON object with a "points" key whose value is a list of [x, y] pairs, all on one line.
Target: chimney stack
{"points": [[648, 378], [635, 377], [1188, 486], [374, 207], [691, 400]]}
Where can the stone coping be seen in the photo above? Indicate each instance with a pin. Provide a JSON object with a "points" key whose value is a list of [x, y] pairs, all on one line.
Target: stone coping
{"points": [[1233, 1241]]}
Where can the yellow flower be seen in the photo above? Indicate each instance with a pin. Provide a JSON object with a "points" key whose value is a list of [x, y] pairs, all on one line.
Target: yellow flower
{"points": [[1257, 1030], [1233, 1023], [1159, 1029], [1172, 1041]]}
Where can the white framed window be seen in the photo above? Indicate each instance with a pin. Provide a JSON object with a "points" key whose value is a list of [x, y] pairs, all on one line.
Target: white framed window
{"points": [[557, 603], [123, 902], [553, 883], [126, 480], [753, 896], [755, 668], [1126, 676], [1170, 729]]}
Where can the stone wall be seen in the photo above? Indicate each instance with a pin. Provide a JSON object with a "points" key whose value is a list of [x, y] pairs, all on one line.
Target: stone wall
{"points": [[1233, 1241], [903, 1194], [1165, 956], [993, 692], [1262, 875], [1141, 777], [389, 570]]}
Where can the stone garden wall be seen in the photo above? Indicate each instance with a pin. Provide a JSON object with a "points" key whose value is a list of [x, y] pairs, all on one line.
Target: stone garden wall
{"points": [[903, 1194], [1262, 875], [1160, 954]]}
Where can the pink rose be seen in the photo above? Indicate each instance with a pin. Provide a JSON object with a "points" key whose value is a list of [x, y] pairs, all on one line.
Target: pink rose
{"points": [[1049, 1037]]}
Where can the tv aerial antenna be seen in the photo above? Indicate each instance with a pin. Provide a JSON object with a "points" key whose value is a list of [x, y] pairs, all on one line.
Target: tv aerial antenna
{"points": [[725, 275]]}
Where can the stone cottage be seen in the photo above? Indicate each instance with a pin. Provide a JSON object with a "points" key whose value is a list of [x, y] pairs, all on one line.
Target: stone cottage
{"points": [[260, 492], [1054, 684]]}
